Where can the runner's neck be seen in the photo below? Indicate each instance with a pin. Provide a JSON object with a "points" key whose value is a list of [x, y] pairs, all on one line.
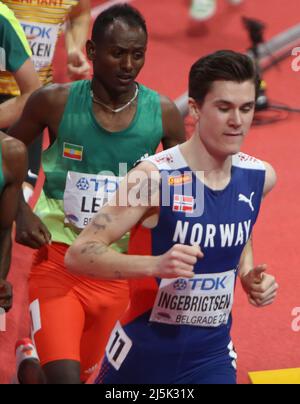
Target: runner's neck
{"points": [[113, 100]]}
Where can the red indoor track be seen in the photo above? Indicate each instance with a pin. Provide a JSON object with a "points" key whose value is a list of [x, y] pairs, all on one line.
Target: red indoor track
{"points": [[264, 338]]}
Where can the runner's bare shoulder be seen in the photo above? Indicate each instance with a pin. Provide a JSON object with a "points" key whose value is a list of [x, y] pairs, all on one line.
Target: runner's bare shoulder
{"points": [[53, 95]]}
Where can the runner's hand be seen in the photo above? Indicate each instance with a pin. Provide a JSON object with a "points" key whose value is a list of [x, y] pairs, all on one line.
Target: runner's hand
{"points": [[78, 66], [178, 262], [30, 231], [6, 295], [260, 287]]}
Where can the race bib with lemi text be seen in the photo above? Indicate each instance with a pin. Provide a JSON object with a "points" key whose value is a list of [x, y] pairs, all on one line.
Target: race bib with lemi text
{"points": [[85, 195]]}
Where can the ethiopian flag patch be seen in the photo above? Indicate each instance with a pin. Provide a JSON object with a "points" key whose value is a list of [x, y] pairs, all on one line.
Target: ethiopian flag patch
{"points": [[73, 152]]}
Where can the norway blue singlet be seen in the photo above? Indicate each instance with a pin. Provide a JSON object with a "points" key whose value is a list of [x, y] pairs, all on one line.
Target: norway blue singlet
{"points": [[178, 331]]}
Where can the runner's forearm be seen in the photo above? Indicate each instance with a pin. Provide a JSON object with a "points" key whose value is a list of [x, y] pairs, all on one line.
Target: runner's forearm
{"points": [[77, 32], [96, 260], [5, 252], [247, 259]]}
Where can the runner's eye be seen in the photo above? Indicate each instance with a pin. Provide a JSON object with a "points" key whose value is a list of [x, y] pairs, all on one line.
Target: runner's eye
{"points": [[139, 55], [247, 109], [117, 54]]}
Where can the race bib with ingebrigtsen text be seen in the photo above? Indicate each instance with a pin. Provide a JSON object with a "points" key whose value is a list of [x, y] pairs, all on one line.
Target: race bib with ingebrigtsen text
{"points": [[204, 301]]}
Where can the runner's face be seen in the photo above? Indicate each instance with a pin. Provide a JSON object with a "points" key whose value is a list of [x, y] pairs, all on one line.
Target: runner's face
{"points": [[226, 116], [120, 56]]}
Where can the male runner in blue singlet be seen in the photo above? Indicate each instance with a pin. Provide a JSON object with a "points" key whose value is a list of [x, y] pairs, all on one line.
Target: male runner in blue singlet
{"points": [[205, 199]]}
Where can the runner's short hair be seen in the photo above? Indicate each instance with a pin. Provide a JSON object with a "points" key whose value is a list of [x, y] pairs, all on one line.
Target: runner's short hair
{"points": [[224, 65], [123, 12]]}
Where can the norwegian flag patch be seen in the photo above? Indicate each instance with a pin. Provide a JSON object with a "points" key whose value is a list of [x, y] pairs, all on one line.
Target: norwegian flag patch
{"points": [[184, 204]]}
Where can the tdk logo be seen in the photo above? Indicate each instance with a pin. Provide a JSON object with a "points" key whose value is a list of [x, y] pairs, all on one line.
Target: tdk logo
{"points": [[83, 184], [109, 186], [33, 32], [180, 284], [207, 284]]}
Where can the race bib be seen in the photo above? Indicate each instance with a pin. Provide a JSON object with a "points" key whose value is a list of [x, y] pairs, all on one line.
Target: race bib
{"points": [[42, 39], [118, 347], [204, 301], [85, 195]]}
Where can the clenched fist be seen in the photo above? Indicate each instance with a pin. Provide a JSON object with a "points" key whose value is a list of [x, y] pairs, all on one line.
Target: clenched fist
{"points": [[260, 287], [178, 262]]}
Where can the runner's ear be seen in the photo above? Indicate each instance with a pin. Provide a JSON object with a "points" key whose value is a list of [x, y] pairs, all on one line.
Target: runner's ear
{"points": [[194, 109], [91, 50]]}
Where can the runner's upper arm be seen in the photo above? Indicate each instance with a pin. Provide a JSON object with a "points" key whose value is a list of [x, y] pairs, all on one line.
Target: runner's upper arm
{"points": [[271, 178], [125, 211], [173, 125], [27, 78], [35, 117]]}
